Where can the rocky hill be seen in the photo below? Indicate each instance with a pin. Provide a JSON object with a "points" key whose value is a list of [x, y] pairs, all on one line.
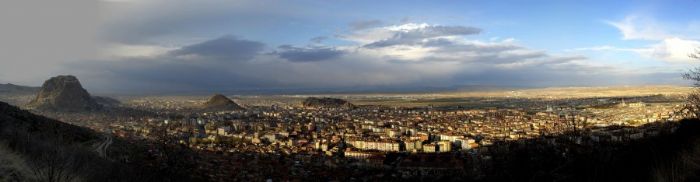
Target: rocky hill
{"points": [[63, 93], [314, 102], [220, 102]]}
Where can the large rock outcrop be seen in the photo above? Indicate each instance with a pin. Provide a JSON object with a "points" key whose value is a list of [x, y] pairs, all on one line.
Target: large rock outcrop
{"points": [[220, 102], [314, 102], [63, 93]]}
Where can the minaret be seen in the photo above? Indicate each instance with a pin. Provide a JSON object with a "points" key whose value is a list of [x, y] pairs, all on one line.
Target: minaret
{"points": [[623, 103]]}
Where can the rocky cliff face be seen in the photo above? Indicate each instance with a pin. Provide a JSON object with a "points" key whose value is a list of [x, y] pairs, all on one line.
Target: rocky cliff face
{"points": [[313, 102], [220, 102], [63, 93]]}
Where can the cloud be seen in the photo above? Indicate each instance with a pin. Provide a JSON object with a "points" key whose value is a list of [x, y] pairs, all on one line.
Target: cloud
{"points": [[318, 39], [410, 34], [424, 56], [638, 28], [125, 50], [674, 50], [152, 21], [405, 33], [671, 43], [308, 54], [227, 48], [413, 42], [361, 25], [607, 48], [487, 52], [162, 75]]}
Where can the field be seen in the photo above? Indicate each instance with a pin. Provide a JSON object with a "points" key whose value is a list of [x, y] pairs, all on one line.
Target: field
{"points": [[473, 97], [437, 99]]}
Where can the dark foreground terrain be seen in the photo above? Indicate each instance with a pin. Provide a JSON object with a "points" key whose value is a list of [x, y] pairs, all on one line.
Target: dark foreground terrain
{"points": [[667, 157], [36, 148]]}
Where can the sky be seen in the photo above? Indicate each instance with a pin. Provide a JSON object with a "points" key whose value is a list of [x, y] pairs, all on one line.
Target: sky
{"points": [[130, 46]]}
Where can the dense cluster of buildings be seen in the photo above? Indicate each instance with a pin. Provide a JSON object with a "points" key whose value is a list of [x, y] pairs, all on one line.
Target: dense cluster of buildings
{"points": [[369, 131]]}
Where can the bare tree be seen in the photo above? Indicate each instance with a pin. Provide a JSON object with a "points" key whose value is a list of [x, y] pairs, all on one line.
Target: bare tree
{"points": [[696, 54], [58, 164], [692, 107]]}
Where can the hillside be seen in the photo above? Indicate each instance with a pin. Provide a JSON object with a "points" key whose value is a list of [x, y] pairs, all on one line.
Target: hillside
{"points": [[326, 102], [51, 150], [45, 145]]}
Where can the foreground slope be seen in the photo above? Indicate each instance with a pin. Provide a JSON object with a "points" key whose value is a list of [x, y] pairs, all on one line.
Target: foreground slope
{"points": [[52, 150], [671, 156], [44, 149]]}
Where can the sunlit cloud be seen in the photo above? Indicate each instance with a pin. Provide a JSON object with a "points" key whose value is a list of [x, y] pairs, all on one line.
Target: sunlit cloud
{"points": [[670, 43], [634, 28]]}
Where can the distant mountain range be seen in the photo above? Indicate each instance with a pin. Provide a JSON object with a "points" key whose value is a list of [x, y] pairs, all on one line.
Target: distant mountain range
{"points": [[12, 88]]}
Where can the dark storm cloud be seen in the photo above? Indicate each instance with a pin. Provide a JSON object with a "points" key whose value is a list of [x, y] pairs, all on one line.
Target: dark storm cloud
{"points": [[148, 22], [161, 76], [361, 25], [226, 48], [416, 36], [308, 54]]}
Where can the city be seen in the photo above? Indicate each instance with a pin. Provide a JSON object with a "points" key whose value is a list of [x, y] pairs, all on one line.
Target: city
{"points": [[309, 135]]}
